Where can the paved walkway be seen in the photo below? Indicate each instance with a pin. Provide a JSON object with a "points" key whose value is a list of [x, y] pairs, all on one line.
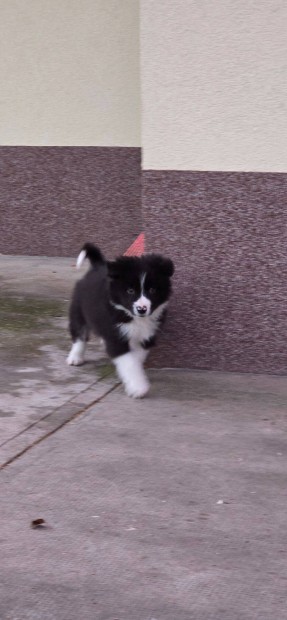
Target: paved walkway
{"points": [[169, 508]]}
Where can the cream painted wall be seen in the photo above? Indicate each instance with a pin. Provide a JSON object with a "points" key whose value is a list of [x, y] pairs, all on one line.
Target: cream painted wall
{"points": [[69, 72], [214, 84]]}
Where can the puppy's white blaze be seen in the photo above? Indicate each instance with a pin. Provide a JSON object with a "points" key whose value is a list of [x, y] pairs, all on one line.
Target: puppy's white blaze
{"points": [[76, 355], [81, 258], [130, 370], [142, 282]]}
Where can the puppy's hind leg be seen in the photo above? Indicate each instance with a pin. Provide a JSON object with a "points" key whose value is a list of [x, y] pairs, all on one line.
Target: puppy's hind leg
{"points": [[80, 336], [77, 353]]}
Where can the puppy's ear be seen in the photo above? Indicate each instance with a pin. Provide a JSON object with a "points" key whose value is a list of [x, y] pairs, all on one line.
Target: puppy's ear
{"points": [[168, 267], [165, 266], [113, 270]]}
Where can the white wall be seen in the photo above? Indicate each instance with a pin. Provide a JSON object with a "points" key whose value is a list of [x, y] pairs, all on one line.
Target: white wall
{"points": [[69, 72], [214, 84]]}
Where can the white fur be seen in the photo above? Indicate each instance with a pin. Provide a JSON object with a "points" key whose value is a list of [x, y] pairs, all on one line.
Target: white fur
{"points": [[76, 355], [130, 370], [142, 301], [81, 258], [141, 328], [141, 354], [143, 281], [120, 307]]}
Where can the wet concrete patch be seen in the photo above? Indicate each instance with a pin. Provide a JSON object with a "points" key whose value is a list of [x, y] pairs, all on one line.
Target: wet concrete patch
{"points": [[26, 313], [34, 376]]}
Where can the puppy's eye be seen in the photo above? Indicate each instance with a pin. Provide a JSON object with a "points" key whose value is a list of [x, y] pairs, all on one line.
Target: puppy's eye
{"points": [[152, 291], [131, 291]]}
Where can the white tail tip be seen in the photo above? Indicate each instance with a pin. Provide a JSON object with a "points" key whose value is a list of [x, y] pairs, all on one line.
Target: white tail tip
{"points": [[81, 259]]}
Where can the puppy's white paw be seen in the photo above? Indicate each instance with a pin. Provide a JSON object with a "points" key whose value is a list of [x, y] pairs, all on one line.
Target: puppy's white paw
{"points": [[76, 355], [131, 372], [137, 389], [74, 360]]}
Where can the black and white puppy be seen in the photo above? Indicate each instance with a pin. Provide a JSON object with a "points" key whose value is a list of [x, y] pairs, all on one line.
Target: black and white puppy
{"points": [[124, 302]]}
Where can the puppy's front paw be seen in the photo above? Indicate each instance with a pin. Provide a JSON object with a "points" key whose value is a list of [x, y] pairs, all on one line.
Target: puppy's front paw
{"points": [[137, 389], [74, 359]]}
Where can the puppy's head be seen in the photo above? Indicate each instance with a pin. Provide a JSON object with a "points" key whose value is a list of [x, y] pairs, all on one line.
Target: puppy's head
{"points": [[140, 285]]}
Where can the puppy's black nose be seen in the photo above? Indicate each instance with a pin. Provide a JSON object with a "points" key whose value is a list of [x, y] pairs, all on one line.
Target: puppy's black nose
{"points": [[141, 310]]}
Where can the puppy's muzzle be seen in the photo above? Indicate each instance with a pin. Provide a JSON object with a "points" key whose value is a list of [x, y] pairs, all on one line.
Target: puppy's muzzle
{"points": [[141, 310]]}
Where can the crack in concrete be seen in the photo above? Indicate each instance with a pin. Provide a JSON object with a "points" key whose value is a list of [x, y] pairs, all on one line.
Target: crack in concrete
{"points": [[57, 428], [47, 415]]}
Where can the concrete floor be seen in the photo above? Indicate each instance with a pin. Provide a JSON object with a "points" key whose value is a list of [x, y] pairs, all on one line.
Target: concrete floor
{"points": [[169, 508], [37, 388]]}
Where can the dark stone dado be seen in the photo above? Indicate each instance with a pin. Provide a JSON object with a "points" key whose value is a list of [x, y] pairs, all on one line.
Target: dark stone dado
{"points": [[53, 199], [227, 233]]}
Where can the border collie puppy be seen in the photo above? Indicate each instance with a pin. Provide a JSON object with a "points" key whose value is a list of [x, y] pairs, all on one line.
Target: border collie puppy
{"points": [[124, 302]]}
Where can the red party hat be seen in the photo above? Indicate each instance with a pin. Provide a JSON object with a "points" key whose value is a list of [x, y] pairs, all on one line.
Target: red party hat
{"points": [[137, 248]]}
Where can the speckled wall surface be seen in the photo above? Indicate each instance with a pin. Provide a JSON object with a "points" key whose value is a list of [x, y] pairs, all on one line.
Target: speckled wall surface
{"points": [[53, 199], [227, 233]]}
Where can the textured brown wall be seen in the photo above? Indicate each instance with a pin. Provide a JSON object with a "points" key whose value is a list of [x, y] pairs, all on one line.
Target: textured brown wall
{"points": [[52, 199], [227, 233]]}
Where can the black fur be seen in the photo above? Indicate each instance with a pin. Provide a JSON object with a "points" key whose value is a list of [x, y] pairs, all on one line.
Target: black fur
{"points": [[118, 283]]}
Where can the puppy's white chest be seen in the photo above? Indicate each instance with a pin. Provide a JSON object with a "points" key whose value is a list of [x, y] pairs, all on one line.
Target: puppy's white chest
{"points": [[139, 330]]}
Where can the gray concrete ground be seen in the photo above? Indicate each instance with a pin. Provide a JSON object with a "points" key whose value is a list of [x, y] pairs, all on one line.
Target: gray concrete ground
{"points": [[38, 390], [168, 508]]}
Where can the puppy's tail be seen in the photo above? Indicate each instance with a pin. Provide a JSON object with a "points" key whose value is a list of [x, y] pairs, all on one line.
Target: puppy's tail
{"points": [[90, 251]]}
